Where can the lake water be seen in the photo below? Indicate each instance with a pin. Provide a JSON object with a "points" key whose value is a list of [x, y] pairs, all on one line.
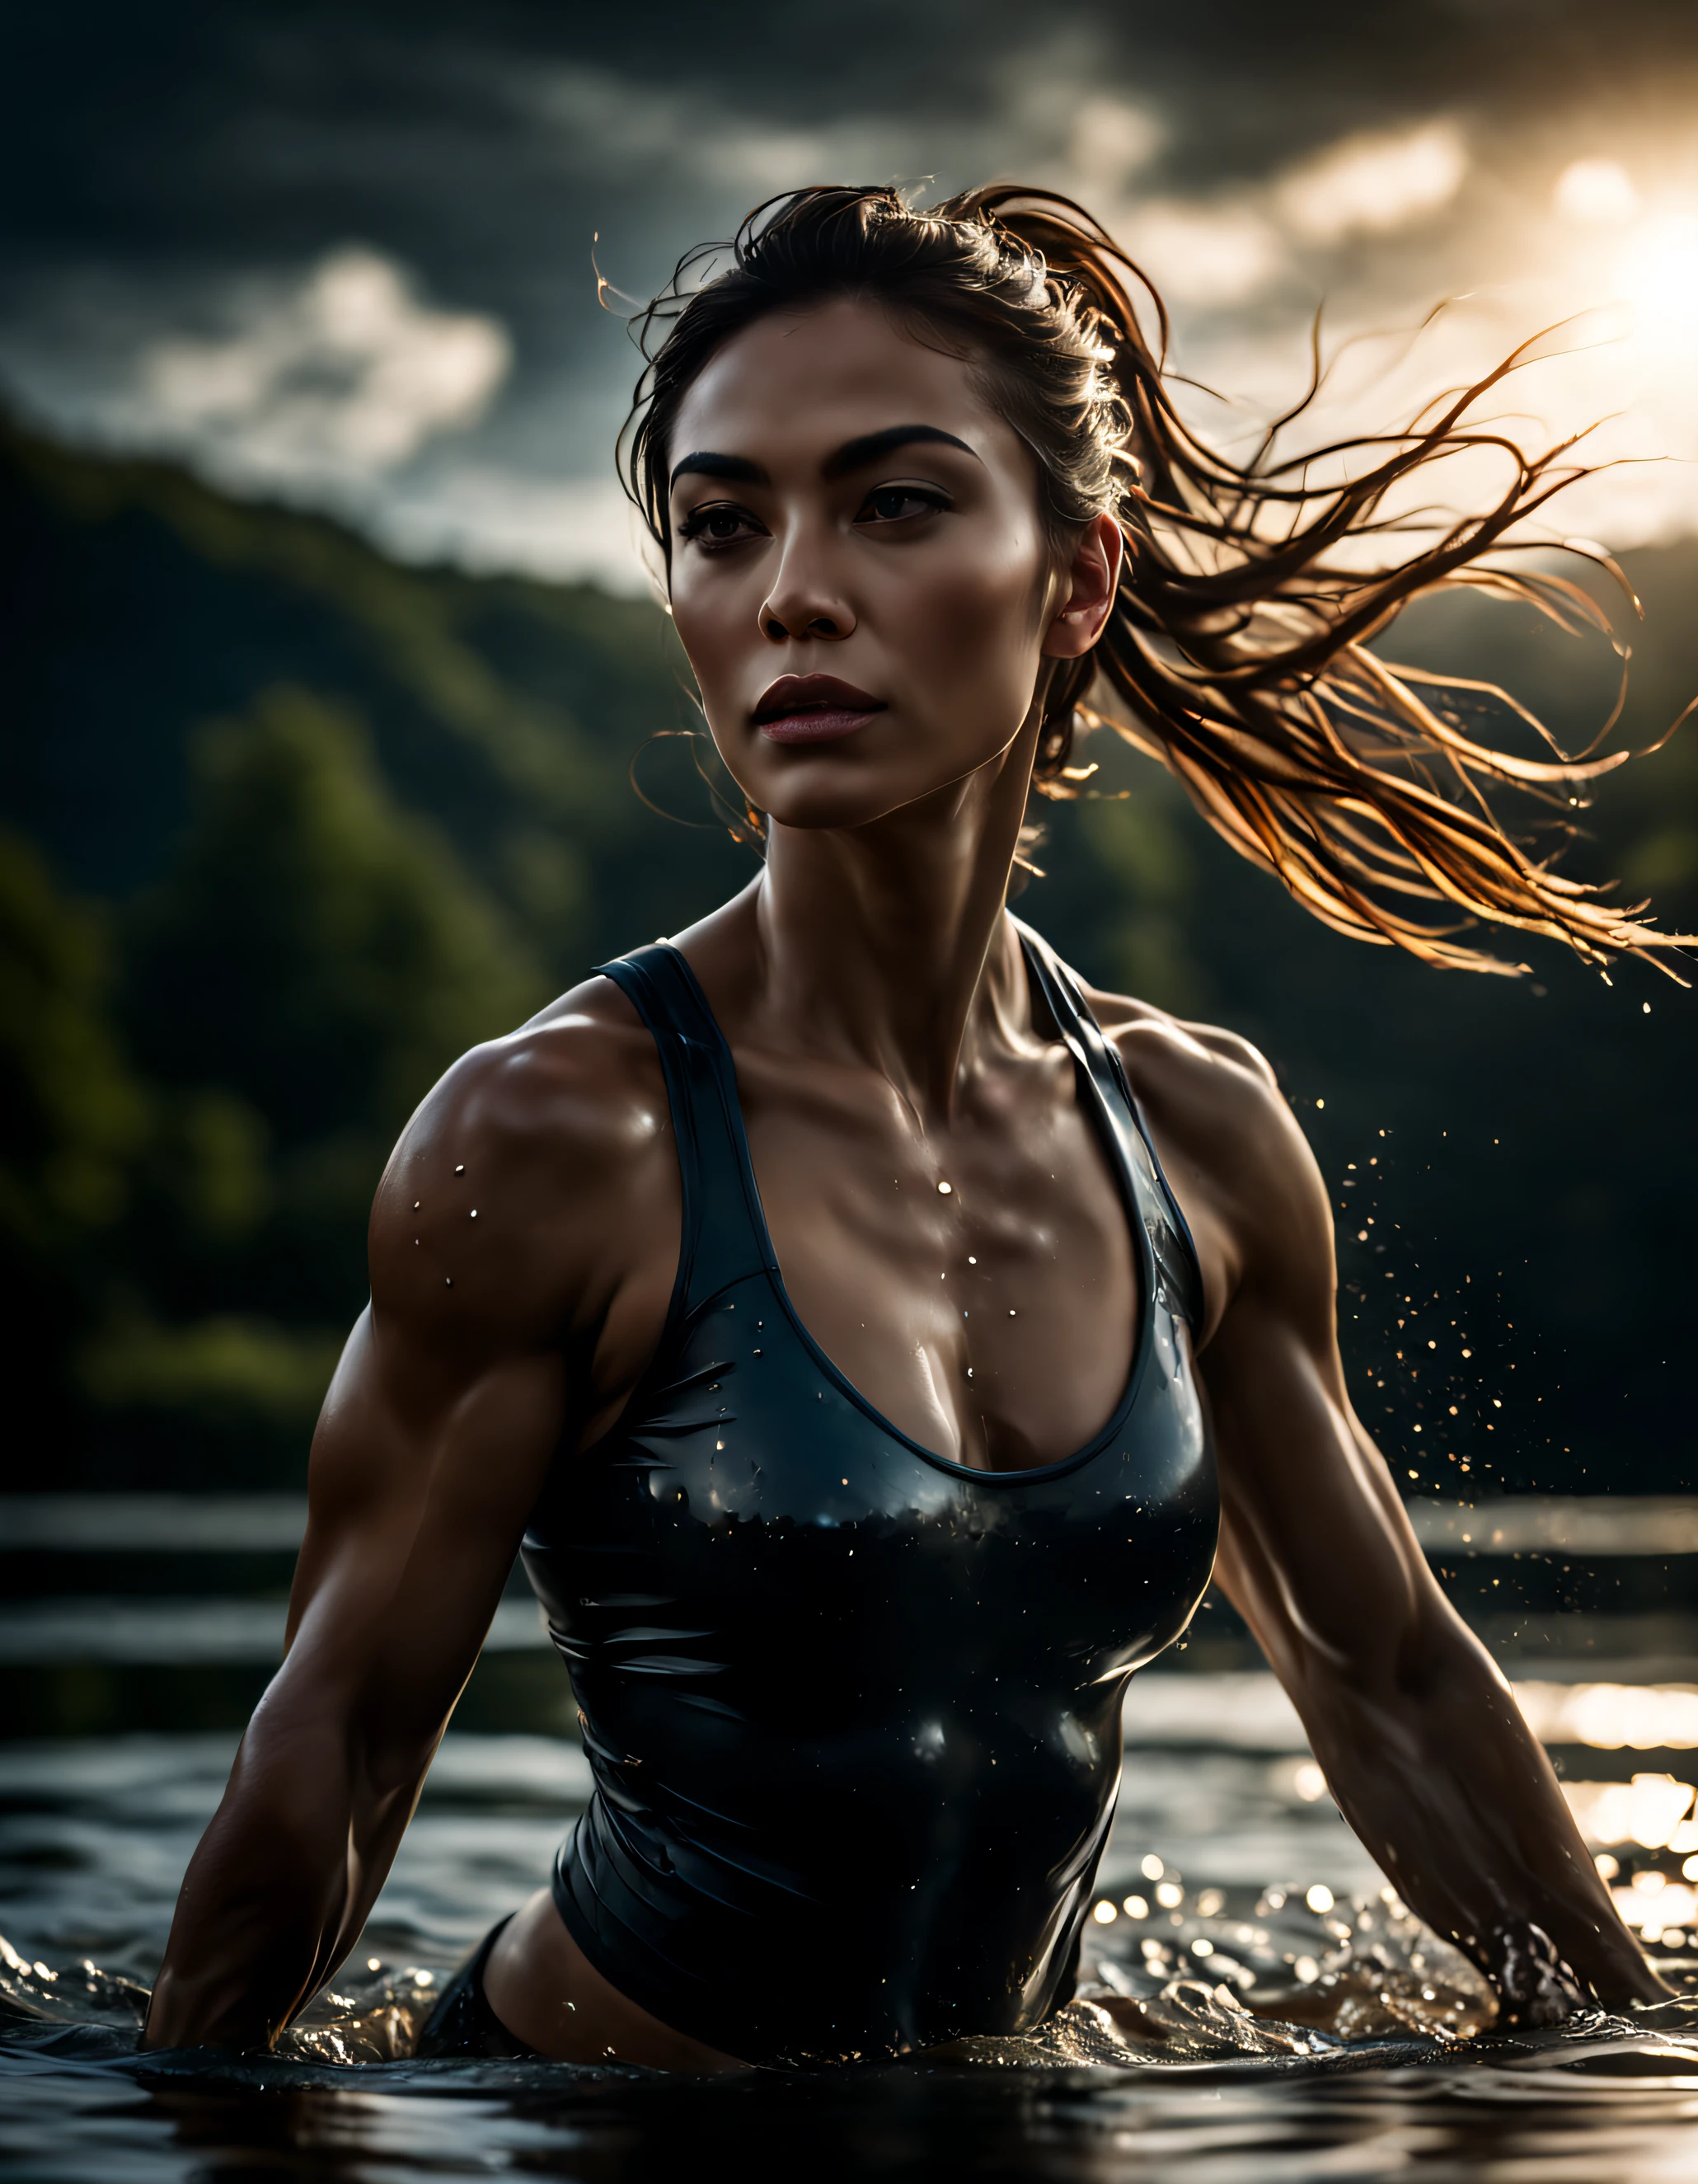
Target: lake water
{"points": [[1255, 2006]]}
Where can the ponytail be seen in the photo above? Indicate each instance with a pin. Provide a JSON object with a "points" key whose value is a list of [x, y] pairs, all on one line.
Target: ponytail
{"points": [[1236, 652]]}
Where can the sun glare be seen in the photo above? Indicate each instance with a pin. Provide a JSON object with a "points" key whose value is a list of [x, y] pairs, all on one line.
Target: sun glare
{"points": [[1657, 276]]}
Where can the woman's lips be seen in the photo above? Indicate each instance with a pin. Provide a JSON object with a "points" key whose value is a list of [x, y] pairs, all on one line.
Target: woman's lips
{"points": [[824, 725], [814, 709]]}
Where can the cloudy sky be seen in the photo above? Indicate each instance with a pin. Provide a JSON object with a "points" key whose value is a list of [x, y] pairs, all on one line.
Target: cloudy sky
{"points": [[342, 253]]}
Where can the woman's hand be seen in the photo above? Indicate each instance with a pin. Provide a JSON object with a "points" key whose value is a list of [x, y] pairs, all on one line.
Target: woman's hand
{"points": [[1420, 1740]]}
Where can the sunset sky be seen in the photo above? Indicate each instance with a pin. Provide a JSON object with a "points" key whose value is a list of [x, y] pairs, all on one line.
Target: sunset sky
{"points": [[344, 253]]}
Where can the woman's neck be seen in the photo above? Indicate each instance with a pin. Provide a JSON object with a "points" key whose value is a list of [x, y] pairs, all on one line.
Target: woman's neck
{"points": [[887, 943]]}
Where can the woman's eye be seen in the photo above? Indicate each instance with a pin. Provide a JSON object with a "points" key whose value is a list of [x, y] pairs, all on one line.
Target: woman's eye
{"points": [[898, 504], [720, 525]]}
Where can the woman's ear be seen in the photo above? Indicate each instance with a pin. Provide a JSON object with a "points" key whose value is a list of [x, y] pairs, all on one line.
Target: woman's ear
{"points": [[1089, 580]]}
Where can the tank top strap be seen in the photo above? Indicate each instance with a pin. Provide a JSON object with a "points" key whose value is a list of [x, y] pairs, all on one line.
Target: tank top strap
{"points": [[724, 1234], [1170, 1234]]}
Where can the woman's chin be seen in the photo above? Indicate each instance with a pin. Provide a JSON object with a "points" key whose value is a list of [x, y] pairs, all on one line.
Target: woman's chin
{"points": [[818, 800], [843, 813]]}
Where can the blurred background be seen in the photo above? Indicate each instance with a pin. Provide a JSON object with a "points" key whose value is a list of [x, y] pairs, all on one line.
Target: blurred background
{"points": [[329, 659]]}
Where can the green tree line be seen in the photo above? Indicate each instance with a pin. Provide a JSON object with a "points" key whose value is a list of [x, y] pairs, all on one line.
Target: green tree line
{"points": [[288, 825]]}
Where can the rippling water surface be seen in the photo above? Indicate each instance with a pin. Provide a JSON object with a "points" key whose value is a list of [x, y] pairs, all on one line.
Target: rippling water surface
{"points": [[1255, 2004]]}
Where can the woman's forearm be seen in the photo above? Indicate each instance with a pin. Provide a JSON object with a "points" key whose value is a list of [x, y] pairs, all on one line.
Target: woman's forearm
{"points": [[1449, 1790], [277, 1892], [258, 1904]]}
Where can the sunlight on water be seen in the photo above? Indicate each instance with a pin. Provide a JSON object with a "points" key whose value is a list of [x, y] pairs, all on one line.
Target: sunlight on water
{"points": [[1242, 2033], [1613, 1717], [1215, 1977], [1254, 2005]]}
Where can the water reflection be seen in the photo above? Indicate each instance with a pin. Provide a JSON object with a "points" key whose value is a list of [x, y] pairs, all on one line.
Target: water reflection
{"points": [[1238, 2032], [1255, 2003]]}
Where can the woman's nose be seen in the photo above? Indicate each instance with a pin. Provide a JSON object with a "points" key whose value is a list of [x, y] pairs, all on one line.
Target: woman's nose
{"points": [[800, 605]]}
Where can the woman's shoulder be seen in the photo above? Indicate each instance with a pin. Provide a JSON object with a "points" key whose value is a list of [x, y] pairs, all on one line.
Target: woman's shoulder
{"points": [[583, 1067], [1231, 1144], [1180, 1068], [566, 1110]]}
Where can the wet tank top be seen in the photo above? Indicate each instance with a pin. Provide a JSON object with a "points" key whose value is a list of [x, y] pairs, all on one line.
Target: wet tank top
{"points": [[852, 1709]]}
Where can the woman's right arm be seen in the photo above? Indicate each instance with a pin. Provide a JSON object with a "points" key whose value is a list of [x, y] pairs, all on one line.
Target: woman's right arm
{"points": [[484, 1340]]}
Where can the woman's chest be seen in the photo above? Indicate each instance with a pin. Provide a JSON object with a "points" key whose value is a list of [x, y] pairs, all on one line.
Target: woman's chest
{"points": [[754, 1526], [977, 1283]]}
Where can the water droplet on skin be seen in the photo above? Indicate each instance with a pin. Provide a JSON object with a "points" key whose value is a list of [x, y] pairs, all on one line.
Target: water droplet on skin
{"points": [[461, 1170], [447, 1281], [944, 1190], [971, 1262], [1010, 1311], [415, 1204], [474, 1213]]}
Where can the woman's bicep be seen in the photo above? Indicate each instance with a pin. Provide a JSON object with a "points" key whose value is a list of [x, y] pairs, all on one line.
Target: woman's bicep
{"points": [[1316, 1552], [431, 1447], [501, 1238], [424, 1469]]}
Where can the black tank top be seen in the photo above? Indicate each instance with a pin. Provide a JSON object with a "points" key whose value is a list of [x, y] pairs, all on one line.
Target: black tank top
{"points": [[852, 1709]]}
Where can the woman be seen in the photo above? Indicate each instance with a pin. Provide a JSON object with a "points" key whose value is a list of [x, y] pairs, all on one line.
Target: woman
{"points": [[851, 1567]]}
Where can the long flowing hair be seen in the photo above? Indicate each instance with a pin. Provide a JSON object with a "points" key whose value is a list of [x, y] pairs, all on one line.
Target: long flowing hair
{"points": [[1240, 651]]}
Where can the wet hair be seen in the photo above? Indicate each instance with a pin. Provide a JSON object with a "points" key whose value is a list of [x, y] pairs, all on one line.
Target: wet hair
{"points": [[1236, 652]]}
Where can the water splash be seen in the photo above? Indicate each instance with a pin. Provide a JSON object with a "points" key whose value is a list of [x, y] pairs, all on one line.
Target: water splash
{"points": [[1224, 1976], [1233, 1974]]}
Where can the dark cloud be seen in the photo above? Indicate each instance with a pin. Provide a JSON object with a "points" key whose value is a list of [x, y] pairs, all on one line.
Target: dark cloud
{"points": [[115, 111], [154, 160]]}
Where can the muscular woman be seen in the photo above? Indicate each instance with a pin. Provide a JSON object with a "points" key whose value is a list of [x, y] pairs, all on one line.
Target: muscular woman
{"points": [[875, 1338]]}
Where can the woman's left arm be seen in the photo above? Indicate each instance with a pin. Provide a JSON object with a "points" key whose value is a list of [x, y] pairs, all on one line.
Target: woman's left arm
{"points": [[1419, 1735]]}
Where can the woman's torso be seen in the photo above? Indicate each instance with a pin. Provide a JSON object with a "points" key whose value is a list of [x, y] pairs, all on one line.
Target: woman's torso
{"points": [[853, 1708]]}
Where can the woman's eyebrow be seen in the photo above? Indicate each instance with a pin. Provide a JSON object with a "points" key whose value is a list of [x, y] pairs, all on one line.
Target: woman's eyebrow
{"points": [[852, 455], [855, 454], [719, 466]]}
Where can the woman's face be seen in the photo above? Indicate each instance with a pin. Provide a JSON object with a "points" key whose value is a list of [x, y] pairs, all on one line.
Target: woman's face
{"points": [[860, 574]]}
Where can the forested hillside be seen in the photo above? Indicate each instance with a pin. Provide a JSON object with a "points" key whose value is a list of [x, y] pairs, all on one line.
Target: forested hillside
{"points": [[287, 826]]}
